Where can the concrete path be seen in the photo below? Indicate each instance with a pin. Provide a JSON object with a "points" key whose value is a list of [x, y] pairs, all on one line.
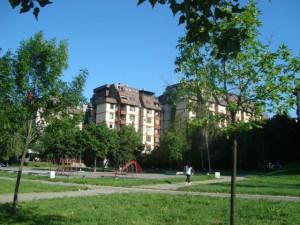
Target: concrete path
{"points": [[159, 189]]}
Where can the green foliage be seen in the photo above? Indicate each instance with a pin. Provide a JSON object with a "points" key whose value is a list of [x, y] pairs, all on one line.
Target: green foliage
{"points": [[248, 78], [37, 94], [212, 22], [97, 139], [58, 138], [276, 141], [173, 144], [203, 132], [32, 89], [255, 81], [129, 144], [27, 5]]}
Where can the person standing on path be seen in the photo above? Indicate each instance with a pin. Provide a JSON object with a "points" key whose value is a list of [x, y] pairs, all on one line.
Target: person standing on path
{"points": [[188, 173]]}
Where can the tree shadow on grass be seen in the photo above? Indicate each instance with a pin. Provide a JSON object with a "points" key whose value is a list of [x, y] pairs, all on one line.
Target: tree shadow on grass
{"points": [[27, 216]]}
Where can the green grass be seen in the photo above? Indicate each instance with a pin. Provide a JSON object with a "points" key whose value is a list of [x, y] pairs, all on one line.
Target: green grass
{"points": [[110, 181], [160, 209], [8, 186], [129, 182], [37, 164], [149, 209], [285, 181], [289, 185]]}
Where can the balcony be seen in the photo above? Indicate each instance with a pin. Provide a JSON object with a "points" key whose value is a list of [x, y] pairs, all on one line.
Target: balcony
{"points": [[123, 122]]}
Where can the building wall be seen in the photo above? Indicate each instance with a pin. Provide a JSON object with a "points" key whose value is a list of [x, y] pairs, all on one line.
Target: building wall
{"points": [[147, 129], [131, 106], [168, 113], [132, 116], [166, 118]]}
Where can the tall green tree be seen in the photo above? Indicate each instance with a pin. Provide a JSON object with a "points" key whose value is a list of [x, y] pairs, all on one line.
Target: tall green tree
{"points": [[37, 92], [203, 132], [59, 136], [174, 146], [129, 144], [98, 140], [276, 141], [255, 81], [8, 137]]}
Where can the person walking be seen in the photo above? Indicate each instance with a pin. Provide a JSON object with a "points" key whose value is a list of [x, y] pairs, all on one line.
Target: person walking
{"points": [[188, 173]]}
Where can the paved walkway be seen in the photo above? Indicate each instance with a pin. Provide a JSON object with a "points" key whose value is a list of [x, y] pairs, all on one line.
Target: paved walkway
{"points": [[159, 188]]}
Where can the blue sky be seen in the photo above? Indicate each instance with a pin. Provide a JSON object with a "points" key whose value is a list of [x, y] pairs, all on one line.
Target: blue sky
{"points": [[120, 42]]}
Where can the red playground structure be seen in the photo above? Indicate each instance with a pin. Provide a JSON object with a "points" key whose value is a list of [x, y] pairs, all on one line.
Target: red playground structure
{"points": [[132, 163]]}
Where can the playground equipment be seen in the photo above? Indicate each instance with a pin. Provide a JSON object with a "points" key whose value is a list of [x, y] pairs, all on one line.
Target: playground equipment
{"points": [[132, 163], [66, 165]]}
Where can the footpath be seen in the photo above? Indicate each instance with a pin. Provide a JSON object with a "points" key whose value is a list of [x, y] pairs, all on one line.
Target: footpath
{"points": [[159, 189]]}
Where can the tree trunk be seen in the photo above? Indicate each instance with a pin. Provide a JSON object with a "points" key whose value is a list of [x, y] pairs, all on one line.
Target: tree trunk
{"points": [[233, 179], [29, 138], [208, 154], [95, 164], [202, 160]]}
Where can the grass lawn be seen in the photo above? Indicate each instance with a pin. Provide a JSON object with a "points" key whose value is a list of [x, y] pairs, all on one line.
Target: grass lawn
{"points": [[264, 185], [158, 209], [8, 186], [285, 181], [149, 209], [110, 181]]}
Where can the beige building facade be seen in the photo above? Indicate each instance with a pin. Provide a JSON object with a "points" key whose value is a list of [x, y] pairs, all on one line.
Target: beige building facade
{"points": [[120, 105], [169, 111]]}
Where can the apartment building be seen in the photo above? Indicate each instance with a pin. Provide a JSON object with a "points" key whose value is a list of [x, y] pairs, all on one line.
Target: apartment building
{"points": [[215, 106], [119, 105]]}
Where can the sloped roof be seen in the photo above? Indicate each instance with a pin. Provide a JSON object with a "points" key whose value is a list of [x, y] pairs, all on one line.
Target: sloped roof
{"points": [[149, 102]]}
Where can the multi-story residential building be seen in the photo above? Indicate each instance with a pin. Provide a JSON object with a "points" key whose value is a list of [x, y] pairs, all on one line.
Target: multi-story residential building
{"points": [[120, 105], [169, 111]]}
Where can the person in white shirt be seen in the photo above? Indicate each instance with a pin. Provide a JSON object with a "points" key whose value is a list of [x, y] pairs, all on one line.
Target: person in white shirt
{"points": [[188, 173]]}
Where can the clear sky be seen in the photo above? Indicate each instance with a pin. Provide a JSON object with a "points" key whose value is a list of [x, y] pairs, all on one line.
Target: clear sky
{"points": [[120, 42]]}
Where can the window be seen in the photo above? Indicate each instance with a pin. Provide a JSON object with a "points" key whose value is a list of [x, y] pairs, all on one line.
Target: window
{"points": [[112, 106], [111, 116], [132, 118], [149, 120], [149, 111], [148, 130], [148, 138], [157, 122], [132, 108]]}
